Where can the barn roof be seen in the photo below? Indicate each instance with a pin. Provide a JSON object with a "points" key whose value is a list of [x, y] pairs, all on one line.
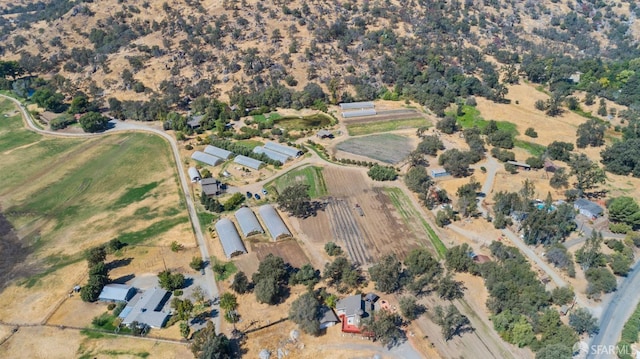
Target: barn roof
{"points": [[289, 151], [356, 105], [147, 308], [206, 158], [248, 222], [248, 162], [438, 171], [519, 164], [229, 238], [276, 156], [218, 152], [116, 293], [273, 221], [194, 173], [195, 121], [359, 113], [211, 186]]}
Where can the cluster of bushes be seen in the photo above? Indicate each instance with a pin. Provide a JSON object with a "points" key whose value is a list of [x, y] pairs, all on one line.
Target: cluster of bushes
{"points": [[62, 121], [381, 173]]}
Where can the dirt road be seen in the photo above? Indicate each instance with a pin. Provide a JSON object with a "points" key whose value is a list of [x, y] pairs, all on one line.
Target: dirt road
{"points": [[120, 126]]}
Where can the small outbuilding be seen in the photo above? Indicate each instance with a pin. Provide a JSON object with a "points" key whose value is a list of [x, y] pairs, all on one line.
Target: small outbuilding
{"points": [[328, 318], [194, 121], [206, 158], [229, 238], [194, 174], [116, 293], [218, 152], [248, 222], [248, 162], [524, 166], [588, 208], [324, 134], [439, 172], [289, 151], [211, 187]]}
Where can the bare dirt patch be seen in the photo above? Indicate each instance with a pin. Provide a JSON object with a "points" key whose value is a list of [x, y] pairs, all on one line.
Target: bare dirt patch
{"points": [[289, 250], [388, 148]]}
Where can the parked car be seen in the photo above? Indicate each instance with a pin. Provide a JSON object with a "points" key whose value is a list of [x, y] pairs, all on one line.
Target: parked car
{"points": [[264, 192], [257, 196], [249, 194]]}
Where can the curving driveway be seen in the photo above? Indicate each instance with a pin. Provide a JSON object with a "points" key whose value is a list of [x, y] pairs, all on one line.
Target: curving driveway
{"points": [[120, 126]]}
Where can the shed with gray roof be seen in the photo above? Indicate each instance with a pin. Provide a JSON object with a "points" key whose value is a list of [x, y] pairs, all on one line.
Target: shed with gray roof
{"points": [[229, 238], [276, 156], [248, 162], [289, 151], [218, 152], [248, 222], [206, 158], [273, 221], [116, 293], [356, 105], [588, 208]]}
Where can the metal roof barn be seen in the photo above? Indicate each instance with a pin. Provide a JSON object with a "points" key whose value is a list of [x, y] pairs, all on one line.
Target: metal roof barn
{"points": [[276, 156], [248, 222], [289, 151], [359, 113], [206, 158], [194, 174], [229, 238], [218, 152], [274, 222], [356, 105], [116, 293], [248, 162]]}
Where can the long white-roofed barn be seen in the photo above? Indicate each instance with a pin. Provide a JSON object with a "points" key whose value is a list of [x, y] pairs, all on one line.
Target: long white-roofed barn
{"points": [[248, 222], [273, 221], [229, 238]]}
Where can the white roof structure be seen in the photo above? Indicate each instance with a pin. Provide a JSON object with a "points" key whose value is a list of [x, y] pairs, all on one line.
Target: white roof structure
{"points": [[274, 222], [229, 238], [248, 162], [206, 158], [289, 151], [116, 293], [359, 113], [356, 105], [146, 308], [194, 174], [218, 152], [248, 222], [276, 156]]}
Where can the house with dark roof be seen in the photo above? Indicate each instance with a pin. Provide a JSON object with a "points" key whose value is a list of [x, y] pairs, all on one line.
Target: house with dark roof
{"points": [[211, 187], [116, 293], [351, 310], [328, 318], [588, 208], [194, 121], [147, 308]]}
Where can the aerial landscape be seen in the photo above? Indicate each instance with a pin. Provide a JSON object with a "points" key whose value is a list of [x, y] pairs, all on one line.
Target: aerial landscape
{"points": [[320, 179]]}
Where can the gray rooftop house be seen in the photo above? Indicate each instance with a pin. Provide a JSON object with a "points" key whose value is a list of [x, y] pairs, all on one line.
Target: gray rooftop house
{"points": [[211, 187], [229, 238], [439, 172], [274, 222], [328, 318], [147, 308], [351, 310], [194, 174], [289, 151], [206, 158], [356, 105], [276, 156], [248, 222], [218, 152], [116, 293], [194, 121], [588, 208], [248, 162]]}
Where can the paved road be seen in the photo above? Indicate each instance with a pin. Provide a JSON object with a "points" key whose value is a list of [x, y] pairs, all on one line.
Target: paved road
{"points": [[120, 126], [620, 307]]}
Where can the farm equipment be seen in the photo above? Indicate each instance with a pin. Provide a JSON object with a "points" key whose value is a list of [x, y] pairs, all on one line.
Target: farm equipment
{"points": [[359, 210]]}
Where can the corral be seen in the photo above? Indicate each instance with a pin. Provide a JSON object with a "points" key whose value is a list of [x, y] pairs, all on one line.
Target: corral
{"points": [[388, 148]]}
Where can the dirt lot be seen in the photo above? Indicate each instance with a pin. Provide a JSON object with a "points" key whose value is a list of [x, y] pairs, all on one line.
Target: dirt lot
{"points": [[366, 238], [388, 148], [289, 250]]}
